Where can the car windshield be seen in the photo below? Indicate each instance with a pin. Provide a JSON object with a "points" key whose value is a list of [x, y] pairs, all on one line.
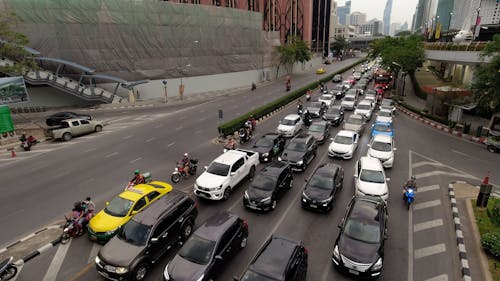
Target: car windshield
{"points": [[364, 106], [297, 146], [321, 181], [338, 88], [218, 169], [253, 276], [134, 233], [264, 142], [357, 121], [315, 105], [342, 139], [334, 110], [381, 146], [325, 97], [348, 99], [197, 250], [317, 128], [118, 207], [288, 122], [382, 128], [264, 182], [384, 114], [362, 231], [372, 176], [387, 102]]}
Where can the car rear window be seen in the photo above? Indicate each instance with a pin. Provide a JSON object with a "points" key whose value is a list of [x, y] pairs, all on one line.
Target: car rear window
{"points": [[362, 231]]}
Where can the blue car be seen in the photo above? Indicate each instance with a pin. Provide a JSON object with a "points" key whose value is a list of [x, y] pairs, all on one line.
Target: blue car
{"points": [[382, 128]]}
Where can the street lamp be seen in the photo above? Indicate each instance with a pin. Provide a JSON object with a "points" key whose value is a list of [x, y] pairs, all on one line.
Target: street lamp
{"points": [[165, 90], [478, 21]]}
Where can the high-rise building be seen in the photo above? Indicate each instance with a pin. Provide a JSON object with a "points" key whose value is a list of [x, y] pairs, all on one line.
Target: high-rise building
{"points": [[418, 21], [395, 27], [373, 27], [356, 18], [320, 38], [443, 14], [343, 11], [387, 16]]}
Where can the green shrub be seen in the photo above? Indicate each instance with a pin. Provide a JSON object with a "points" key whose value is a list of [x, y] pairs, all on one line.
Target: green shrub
{"points": [[491, 243], [493, 211], [235, 124]]}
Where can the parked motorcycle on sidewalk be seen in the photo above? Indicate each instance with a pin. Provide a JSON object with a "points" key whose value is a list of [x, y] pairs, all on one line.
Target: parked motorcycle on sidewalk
{"points": [[180, 172], [7, 269]]}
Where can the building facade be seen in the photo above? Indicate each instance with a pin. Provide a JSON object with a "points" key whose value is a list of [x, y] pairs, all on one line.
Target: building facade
{"points": [[320, 40], [344, 31], [343, 11], [356, 18], [373, 27], [387, 16]]}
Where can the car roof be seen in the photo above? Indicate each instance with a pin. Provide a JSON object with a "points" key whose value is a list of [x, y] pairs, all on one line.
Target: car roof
{"points": [[356, 116], [327, 169], [215, 226], [337, 106], [229, 157], [365, 102], [322, 123], [302, 137], [365, 208], [136, 192], [382, 138], [383, 123], [328, 95], [151, 214], [292, 116], [370, 163], [346, 133], [274, 258], [275, 168]]}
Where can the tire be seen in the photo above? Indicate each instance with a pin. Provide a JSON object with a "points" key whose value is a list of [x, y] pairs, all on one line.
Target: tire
{"points": [[491, 148], [244, 242], [226, 194], [251, 173], [65, 238], [290, 184], [67, 137], [187, 230], [176, 177], [10, 272], [98, 128], [140, 272]]}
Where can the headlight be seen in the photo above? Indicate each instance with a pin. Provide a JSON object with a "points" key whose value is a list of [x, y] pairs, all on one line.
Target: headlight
{"points": [[201, 277], [377, 265], [219, 187], [265, 154], [266, 200], [246, 195], [279, 158], [305, 196], [336, 253], [111, 231], [300, 162], [97, 260], [165, 273], [336, 118], [121, 270]]}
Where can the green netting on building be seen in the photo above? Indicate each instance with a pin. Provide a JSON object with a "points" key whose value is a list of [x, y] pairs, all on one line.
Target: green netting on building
{"points": [[143, 39]]}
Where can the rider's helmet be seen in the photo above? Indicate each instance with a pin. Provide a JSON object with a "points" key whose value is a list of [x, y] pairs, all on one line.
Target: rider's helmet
{"points": [[137, 171], [413, 178], [186, 154]]}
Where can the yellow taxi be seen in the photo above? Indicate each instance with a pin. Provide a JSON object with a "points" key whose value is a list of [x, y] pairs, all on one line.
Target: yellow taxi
{"points": [[104, 225], [320, 70]]}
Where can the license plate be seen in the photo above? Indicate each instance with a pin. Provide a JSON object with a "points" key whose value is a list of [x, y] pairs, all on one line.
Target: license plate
{"points": [[313, 206], [353, 272]]}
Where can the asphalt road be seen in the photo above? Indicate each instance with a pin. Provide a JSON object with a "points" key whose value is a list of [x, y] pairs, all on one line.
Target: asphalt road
{"points": [[68, 174]]}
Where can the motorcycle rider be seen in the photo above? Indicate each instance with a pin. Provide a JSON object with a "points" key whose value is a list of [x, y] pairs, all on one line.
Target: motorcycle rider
{"points": [[186, 162], [412, 182], [23, 138], [31, 140], [252, 122], [77, 217], [307, 118], [89, 208], [300, 106], [138, 178], [230, 144]]}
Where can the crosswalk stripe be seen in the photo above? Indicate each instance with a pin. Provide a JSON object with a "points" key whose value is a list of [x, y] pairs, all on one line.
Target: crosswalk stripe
{"points": [[442, 277], [438, 173], [423, 163], [428, 188], [57, 261], [427, 204], [426, 225], [93, 253], [429, 251]]}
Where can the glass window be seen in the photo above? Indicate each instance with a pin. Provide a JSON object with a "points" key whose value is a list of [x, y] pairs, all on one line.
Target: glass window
{"points": [[218, 169], [152, 195], [118, 207], [381, 146], [253, 276], [322, 182], [263, 183], [75, 123], [237, 165], [141, 203], [161, 227], [372, 176], [84, 122], [362, 231], [197, 250], [317, 128], [264, 142], [343, 139], [134, 233], [297, 146]]}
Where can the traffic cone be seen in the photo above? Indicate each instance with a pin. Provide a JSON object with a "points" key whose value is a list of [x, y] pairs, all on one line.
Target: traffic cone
{"points": [[13, 153]]}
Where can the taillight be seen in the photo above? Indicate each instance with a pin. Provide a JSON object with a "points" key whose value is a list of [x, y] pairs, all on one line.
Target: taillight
{"points": [[196, 204], [245, 224], [306, 251]]}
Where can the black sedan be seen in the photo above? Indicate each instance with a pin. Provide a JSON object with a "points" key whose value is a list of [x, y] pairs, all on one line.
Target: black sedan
{"points": [[320, 190], [337, 78], [320, 130], [316, 109], [300, 152], [268, 186], [339, 91], [334, 115], [359, 249], [55, 119], [268, 146]]}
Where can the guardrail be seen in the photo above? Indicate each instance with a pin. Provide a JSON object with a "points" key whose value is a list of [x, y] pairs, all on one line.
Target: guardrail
{"points": [[451, 46]]}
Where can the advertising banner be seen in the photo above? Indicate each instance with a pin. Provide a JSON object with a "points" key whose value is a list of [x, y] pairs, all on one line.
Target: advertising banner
{"points": [[13, 90]]}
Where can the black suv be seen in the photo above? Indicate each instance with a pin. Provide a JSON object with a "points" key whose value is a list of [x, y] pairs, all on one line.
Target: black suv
{"points": [[55, 119], [210, 247], [147, 236], [269, 146], [334, 115], [280, 259], [300, 152], [359, 249], [269, 184], [320, 190]]}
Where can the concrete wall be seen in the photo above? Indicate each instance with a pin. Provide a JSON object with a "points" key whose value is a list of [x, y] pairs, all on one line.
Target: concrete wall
{"points": [[49, 97]]}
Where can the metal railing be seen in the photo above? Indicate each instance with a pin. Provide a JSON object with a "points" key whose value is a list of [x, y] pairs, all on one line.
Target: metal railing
{"points": [[452, 46]]}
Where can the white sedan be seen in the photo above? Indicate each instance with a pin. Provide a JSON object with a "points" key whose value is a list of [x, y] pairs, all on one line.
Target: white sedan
{"points": [[369, 178], [327, 99], [290, 125], [364, 108], [384, 115], [343, 144], [382, 148]]}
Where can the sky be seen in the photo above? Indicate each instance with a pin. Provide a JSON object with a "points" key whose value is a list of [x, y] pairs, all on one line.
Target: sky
{"points": [[402, 10]]}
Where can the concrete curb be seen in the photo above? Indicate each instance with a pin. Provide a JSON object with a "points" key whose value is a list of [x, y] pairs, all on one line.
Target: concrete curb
{"points": [[441, 127], [462, 252]]}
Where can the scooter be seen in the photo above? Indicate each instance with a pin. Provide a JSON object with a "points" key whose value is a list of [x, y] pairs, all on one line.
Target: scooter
{"points": [[69, 230], [180, 172], [244, 136], [7, 269], [409, 196], [300, 110], [307, 121], [147, 178], [26, 145]]}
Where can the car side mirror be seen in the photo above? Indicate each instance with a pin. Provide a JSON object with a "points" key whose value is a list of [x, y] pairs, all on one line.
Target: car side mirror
{"points": [[386, 236], [355, 175], [206, 167], [394, 149], [232, 174], [107, 203], [235, 278], [133, 213], [369, 145], [280, 121], [218, 257], [154, 240]]}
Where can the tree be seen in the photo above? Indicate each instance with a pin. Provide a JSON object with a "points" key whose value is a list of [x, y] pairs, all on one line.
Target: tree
{"points": [[486, 84], [296, 51], [338, 44], [406, 51], [12, 44]]}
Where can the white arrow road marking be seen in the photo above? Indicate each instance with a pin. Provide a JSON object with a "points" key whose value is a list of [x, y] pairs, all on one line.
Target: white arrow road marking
{"points": [[170, 144], [135, 160], [423, 163], [57, 261], [127, 137], [437, 173], [150, 140], [111, 154]]}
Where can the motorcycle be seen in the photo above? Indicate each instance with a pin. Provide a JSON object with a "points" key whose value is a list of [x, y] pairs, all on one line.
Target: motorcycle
{"points": [[492, 145], [7, 269], [244, 136], [69, 230], [147, 178], [409, 196], [307, 121], [26, 145], [180, 172], [254, 87], [300, 110]]}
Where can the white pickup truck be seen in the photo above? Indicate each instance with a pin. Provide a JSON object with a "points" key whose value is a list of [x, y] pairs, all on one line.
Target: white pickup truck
{"points": [[70, 128], [225, 172]]}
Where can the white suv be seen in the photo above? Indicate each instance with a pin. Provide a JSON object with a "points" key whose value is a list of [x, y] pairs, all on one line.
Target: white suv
{"points": [[349, 102], [369, 178], [290, 125], [364, 108], [382, 148], [327, 99]]}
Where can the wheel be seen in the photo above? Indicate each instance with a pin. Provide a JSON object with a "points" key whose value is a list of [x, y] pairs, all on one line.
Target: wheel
{"points": [[175, 177], [187, 229], [491, 148], [408, 204], [65, 238], [140, 271], [98, 128], [67, 136], [225, 196], [9, 273], [251, 173], [243, 243], [273, 206], [290, 184]]}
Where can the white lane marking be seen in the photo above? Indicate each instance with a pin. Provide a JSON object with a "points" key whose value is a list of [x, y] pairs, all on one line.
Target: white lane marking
{"points": [[203, 119], [127, 137], [150, 140], [423, 163], [135, 160], [90, 149], [111, 154], [427, 225], [428, 204], [428, 188], [461, 153], [202, 111], [438, 173], [182, 117], [158, 126], [118, 119], [429, 251], [19, 268], [198, 132], [93, 252], [178, 128], [57, 261], [170, 144], [410, 232], [442, 277]]}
